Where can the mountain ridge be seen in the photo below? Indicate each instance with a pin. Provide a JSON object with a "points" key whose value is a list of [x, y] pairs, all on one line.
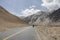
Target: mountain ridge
{"points": [[44, 18]]}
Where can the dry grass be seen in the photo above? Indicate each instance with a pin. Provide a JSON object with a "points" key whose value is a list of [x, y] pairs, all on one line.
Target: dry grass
{"points": [[48, 32]]}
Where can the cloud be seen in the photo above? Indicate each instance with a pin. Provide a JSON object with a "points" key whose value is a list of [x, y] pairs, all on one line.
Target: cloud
{"points": [[28, 12], [33, 6], [51, 4]]}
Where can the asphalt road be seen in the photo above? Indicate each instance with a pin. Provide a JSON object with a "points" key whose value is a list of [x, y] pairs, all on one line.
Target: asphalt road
{"points": [[27, 33]]}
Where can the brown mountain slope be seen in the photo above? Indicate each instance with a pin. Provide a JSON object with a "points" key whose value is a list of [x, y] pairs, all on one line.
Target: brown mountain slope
{"points": [[8, 20], [4, 14]]}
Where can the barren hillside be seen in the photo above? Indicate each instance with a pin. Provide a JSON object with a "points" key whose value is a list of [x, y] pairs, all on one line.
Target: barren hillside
{"points": [[8, 20]]}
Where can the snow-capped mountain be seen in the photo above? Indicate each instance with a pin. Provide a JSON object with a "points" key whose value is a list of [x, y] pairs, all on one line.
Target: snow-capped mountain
{"points": [[43, 18]]}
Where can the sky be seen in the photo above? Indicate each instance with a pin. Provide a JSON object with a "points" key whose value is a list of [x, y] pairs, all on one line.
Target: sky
{"points": [[16, 7], [29, 7]]}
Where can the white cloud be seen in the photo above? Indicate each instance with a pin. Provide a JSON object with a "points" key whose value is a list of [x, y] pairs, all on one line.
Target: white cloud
{"points": [[28, 12], [51, 4], [33, 6]]}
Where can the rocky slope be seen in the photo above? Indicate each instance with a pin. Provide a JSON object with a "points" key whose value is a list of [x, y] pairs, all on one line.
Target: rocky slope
{"points": [[43, 18]]}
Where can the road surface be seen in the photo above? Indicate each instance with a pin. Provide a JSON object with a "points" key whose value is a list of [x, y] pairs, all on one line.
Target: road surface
{"points": [[27, 33]]}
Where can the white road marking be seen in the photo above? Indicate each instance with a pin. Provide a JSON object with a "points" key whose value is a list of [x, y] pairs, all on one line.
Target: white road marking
{"points": [[12, 35]]}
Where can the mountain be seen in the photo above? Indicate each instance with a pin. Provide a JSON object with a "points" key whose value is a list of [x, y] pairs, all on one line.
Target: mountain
{"points": [[44, 18], [7, 20], [55, 16], [37, 19]]}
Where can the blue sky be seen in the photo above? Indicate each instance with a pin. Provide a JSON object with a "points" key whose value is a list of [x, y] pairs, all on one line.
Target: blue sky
{"points": [[16, 6]]}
